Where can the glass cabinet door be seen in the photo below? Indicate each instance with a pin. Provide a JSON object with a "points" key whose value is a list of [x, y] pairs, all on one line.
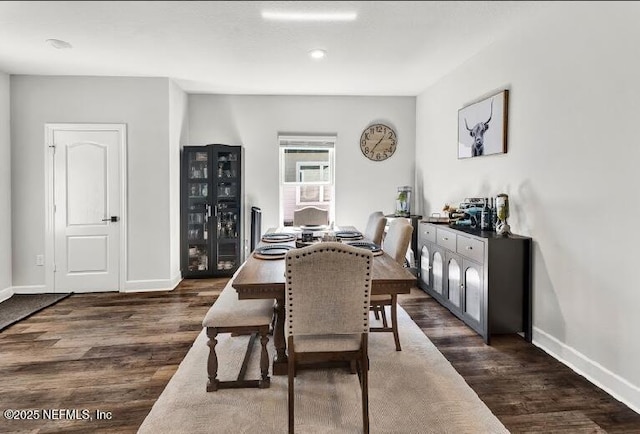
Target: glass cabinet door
{"points": [[453, 281], [438, 272], [198, 211], [425, 265], [227, 210], [472, 292]]}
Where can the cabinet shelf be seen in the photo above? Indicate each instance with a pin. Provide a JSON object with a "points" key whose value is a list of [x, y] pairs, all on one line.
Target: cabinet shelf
{"points": [[226, 240]]}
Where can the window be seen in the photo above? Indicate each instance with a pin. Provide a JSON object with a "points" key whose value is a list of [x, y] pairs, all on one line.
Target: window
{"points": [[306, 174], [313, 177]]}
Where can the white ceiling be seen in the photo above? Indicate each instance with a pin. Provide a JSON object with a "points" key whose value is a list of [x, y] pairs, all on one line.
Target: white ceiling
{"points": [[392, 48]]}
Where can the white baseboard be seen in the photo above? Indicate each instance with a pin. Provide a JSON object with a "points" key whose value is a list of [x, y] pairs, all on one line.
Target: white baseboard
{"points": [[613, 384], [6, 294], [29, 289], [129, 286], [152, 285]]}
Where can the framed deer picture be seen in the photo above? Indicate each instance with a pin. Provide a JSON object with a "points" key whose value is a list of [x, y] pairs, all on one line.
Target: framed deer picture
{"points": [[482, 127]]}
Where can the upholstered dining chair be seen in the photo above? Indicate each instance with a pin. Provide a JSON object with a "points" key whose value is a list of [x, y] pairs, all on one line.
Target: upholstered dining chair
{"points": [[375, 227], [396, 243], [328, 286], [310, 215]]}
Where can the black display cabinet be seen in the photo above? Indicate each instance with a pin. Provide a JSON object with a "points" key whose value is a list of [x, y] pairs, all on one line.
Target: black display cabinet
{"points": [[211, 218]]}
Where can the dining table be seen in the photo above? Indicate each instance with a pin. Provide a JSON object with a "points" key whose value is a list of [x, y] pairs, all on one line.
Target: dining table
{"points": [[265, 279]]}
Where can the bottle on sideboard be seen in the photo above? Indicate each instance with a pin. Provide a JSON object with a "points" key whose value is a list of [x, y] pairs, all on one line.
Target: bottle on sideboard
{"points": [[485, 220], [494, 215]]}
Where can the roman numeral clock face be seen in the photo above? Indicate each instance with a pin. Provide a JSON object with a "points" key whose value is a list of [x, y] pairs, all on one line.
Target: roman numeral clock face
{"points": [[378, 142]]}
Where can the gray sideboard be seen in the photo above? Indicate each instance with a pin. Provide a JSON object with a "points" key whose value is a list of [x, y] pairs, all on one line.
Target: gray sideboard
{"points": [[481, 277]]}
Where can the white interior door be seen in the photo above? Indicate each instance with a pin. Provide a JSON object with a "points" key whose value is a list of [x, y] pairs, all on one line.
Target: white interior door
{"points": [[86, 207]]}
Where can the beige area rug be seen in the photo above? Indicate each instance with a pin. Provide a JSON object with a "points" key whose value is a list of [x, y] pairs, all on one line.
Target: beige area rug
{"points": [[415, 390]]}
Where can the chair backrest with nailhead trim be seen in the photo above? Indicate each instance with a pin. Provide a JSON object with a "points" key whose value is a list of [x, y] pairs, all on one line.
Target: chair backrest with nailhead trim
{"points": [[328, 286]]}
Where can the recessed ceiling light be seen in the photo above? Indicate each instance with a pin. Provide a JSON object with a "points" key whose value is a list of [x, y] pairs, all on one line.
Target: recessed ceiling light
{"points": [[59, 44], [309, 16], [317, 53]]}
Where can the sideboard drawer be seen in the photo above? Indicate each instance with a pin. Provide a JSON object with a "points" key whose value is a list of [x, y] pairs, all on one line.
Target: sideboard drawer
{"points": [[428, 232], [471, 248], [446, 239]]}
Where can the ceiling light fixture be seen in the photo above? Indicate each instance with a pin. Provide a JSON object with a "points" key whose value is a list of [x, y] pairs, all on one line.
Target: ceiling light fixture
{"points": [[309, 16], [317, 53], [59, 44]]}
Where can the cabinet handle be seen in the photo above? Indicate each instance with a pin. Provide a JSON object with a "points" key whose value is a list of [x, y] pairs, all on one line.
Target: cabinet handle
{"points": [[461, 286], [445, 238], [469, 248]]}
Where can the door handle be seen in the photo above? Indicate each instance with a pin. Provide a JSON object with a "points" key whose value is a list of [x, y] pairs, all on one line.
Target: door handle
{"points": [[113, 219]]}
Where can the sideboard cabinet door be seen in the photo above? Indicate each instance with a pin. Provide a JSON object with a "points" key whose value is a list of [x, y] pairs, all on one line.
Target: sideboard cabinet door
{"points": [[437, 272], [454, 281], [425, 266], [473, 295]]}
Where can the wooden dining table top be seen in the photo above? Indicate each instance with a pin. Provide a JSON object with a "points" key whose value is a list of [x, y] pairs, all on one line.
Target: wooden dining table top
{"points": [[265, 278]]}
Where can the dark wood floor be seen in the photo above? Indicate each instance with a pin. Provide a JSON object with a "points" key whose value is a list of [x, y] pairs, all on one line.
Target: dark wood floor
{"points": [[528, 390], [111, 352], [116, 353]]}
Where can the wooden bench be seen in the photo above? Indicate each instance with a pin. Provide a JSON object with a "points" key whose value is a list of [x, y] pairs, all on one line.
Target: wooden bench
{"points": [[231, 315]]}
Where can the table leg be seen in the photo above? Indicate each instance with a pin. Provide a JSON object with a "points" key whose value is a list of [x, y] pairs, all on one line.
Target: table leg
{"points": [[280, 361]]}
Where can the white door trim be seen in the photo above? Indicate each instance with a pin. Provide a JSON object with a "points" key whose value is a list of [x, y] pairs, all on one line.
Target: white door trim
{"points": [[49, 196]]}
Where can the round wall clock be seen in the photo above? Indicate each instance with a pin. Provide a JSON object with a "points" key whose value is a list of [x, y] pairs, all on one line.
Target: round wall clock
{"points": [[378, 142]]}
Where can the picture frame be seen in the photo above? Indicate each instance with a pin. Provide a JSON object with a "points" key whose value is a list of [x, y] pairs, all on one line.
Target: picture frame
{"points": [[482, 126]]}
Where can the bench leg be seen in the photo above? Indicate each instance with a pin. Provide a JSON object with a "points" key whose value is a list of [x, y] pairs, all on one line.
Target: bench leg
{"points": [[212, 362], [264, 359], [280, 359], [273, 318]]}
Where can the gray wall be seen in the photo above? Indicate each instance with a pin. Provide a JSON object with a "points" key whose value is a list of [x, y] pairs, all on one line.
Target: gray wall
{"points": [[178, 129], [571, 173], [362, 186], [5, 188], [142, 104]]}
